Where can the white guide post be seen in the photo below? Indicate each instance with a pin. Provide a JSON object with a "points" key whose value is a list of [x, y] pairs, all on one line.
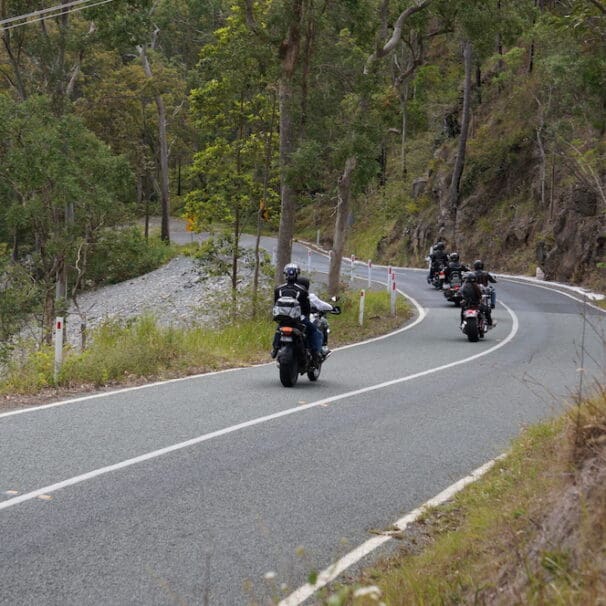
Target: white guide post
{"points": [[361, 314], [393, 295], [369, 273], [59, 327]]}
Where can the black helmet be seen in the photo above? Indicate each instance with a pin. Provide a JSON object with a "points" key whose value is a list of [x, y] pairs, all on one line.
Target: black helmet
{"points": [[470, 277], [291, 271], [439, 246], [454, 257], [477, 264]]}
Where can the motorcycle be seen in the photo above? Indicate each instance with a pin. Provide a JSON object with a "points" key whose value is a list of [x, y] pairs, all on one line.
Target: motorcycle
{"points": [[474, 323], [439, 277], [452, 289], [294, 357]]}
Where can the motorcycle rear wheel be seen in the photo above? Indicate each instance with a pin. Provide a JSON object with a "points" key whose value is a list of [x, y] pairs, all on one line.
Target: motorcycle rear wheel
{"points": [[471, 330], [289, 371]]}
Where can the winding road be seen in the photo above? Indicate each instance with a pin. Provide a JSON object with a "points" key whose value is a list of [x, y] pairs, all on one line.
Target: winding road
{"points": [[229, 489]]}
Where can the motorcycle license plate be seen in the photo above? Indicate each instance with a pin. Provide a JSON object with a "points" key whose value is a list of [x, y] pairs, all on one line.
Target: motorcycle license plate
{"points": [[286, 339]]}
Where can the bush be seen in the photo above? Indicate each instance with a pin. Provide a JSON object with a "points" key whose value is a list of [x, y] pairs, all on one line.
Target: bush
{"points": [[19, 299], [125, 254]]}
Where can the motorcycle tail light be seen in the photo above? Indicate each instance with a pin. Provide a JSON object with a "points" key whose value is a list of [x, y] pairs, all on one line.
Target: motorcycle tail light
{"points": [[286, 330]]}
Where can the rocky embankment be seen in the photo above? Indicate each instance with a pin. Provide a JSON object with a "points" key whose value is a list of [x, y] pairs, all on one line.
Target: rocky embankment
{"points": [[179, 293]]}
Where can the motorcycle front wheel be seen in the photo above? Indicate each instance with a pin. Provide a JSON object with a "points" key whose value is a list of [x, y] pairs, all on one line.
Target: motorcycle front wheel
{"points": [[471, 330], [289, 371]]}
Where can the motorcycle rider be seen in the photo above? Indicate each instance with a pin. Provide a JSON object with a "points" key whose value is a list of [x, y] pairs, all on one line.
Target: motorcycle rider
{"points": [[454, 267], [297, 286], [484, 278], [318, 304], [471, 294], [437, 258]]}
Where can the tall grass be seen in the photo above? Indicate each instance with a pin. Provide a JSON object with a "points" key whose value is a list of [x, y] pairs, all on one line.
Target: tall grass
{"points": [[144, 350], [531, 531]]}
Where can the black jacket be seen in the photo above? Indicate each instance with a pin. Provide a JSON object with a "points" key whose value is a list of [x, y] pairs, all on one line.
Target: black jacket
{"points": [[297, 291], [484, 277], [471, 293], [455, 268], [439, 257]]}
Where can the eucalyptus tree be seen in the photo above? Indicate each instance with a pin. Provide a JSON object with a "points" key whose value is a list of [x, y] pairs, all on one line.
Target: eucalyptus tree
{"points": [[45, 56], [133, 29], [280, 26], [51, 168], [234, 111]]}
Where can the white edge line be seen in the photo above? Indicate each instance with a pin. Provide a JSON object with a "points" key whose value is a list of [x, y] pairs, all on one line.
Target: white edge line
{"points": [[334, 570], [556, 288], [421, 314], [246, 424]]}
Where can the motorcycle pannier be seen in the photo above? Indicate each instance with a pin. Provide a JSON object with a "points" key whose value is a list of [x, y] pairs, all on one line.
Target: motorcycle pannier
{"points": [[287, 308]]}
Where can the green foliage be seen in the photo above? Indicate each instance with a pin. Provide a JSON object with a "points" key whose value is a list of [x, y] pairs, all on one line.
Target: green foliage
{"points": [[235, 110], [20, 297], [120, 255], [61, 185]]}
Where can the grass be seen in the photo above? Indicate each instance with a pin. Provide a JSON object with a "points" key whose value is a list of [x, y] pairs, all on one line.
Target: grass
{"points": [[531, 531], [144, 350]]}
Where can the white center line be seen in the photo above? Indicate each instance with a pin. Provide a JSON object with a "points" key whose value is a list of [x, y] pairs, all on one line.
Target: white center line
{"points": [[47, 490]]}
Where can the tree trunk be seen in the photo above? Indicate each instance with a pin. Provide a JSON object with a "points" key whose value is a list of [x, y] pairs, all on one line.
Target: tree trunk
{"points": [[17, 79], [261, 216], [404, 103], [460, 159], [289, 52], [341, 223], [163, 160]]}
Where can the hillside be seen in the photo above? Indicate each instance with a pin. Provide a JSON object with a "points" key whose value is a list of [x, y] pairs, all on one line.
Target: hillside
{"points": [[533, 187]]}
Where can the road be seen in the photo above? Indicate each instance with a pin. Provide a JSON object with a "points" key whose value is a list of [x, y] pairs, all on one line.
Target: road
{"points": [[229, 489]]}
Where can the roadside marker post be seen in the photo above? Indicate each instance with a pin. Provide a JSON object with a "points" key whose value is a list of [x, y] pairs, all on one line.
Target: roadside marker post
{"points": [[361, 314], [393, 295], [353, 265], [389, 278], [309, 260], [59, 328], [369, 273]]}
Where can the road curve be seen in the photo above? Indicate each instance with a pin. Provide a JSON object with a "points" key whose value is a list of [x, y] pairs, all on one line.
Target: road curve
{"points": [[229, 489]]}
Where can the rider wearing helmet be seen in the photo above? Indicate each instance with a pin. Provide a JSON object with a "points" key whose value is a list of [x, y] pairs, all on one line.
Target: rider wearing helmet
{"points": [[470, 291], [297, 286], [437, 258], [472, 296], [484, 278], [454, 267]]}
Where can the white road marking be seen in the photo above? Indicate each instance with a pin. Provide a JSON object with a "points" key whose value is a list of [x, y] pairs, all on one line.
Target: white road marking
{"points": [[334, 570], [421, 314], [556, 288], [245, 425]]}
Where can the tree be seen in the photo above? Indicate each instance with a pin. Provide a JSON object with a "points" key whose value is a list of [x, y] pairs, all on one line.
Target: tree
{"points": [[457, 172], [53, 170], [234, 111]]}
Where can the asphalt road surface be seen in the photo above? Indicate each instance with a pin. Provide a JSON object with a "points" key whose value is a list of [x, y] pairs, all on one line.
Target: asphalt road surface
{"points": [[229, 489]]}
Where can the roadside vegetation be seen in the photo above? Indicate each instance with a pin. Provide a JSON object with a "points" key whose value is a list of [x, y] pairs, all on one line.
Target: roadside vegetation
{"points": [[143, 350], [531, 531]]}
